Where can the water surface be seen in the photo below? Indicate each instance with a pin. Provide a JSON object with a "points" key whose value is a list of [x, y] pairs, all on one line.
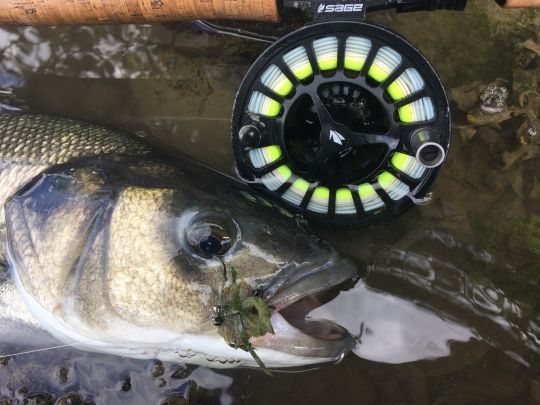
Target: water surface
{"points": [[449, 309]]}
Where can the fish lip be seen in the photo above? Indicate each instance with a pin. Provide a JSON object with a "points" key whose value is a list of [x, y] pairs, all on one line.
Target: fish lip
{"points": [[310, 348], [297, 282], [294, 271], [298, 292]]}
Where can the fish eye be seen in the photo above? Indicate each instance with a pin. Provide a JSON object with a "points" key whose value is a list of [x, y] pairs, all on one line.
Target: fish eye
{"points": [[211, 234]]}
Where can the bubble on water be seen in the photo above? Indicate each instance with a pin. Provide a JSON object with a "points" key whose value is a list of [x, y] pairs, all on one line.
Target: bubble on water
{"points": [[486, 298]]}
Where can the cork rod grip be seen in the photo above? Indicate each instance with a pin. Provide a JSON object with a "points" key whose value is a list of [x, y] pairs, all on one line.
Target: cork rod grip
{"points": [[74, 12]]}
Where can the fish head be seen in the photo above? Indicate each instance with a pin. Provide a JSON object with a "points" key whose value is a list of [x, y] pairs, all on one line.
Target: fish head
{"points": [[136, 259]]}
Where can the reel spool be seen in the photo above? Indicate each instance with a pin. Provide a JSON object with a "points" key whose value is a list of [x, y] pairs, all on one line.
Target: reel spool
{"points": [[342, 122]]}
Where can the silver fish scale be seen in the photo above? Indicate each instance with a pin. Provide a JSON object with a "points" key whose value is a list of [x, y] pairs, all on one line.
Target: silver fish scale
{"points": [[31, 143], [41, 139]]}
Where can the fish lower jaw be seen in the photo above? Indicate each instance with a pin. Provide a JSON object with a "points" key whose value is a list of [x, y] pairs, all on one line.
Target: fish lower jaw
{"points": [[304, 347]]}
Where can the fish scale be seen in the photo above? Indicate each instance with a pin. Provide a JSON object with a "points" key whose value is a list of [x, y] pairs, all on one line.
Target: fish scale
{"points": [[31, 143]]}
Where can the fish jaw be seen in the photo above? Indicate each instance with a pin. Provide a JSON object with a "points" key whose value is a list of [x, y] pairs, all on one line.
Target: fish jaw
{"points": [[293, 296], [289, 346], [128, 340]]}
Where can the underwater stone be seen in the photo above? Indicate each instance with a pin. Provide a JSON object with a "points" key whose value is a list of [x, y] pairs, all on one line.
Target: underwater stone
{"points": [[70, 399], [21, 392], [125, 385], [181, 373], [174, 400], [157, 369], [493, 99], [62, 374], [41, 398]]}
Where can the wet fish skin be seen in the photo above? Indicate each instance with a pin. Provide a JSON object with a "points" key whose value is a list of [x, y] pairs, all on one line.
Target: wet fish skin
{"points": [[97, 246], [31, 143]]}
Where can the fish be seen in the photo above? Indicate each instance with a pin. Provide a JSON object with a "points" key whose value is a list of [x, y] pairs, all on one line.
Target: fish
{"points": [[112, 248]]}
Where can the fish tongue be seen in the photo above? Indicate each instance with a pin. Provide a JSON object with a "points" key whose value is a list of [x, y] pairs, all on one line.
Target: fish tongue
{"points": [[330, 341]]}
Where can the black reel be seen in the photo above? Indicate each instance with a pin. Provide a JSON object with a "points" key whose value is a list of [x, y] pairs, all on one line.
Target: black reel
{"points": [[342, 122]]}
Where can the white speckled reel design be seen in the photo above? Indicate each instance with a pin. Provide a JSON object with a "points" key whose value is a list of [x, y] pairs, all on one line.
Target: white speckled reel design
{"points": [[331, 110]]}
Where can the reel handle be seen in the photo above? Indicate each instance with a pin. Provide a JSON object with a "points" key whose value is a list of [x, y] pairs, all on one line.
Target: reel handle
{"points": [[80, 12]]}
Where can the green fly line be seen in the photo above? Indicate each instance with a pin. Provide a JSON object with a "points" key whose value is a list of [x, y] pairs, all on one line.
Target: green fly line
{"points": [[357, 49]]}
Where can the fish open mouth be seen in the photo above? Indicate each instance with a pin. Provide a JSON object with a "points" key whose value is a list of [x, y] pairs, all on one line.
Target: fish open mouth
{"points": [[293, 295]]}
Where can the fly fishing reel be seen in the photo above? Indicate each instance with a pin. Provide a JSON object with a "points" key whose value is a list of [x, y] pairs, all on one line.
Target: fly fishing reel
{"points": [[343, 122]]}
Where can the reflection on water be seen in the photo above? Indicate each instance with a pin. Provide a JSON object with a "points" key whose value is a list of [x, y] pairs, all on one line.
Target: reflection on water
{"points": [[390, 329], [476, 302], [110, 380], [449, 312]]}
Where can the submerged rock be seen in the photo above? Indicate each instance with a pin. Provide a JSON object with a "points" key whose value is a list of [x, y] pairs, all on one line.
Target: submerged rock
{"points": [[157, 369], [174, 400], [41, 398], [125, 384], [62, 375], [70, 399], [182, 373], [493, 99]]}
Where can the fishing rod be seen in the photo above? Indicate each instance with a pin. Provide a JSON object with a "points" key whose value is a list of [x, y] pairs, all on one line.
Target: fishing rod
{"points": [[342, 121], [79, 12]]}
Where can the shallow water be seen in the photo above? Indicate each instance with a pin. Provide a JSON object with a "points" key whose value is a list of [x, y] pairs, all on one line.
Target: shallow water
{"points": [[449, 309]]}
